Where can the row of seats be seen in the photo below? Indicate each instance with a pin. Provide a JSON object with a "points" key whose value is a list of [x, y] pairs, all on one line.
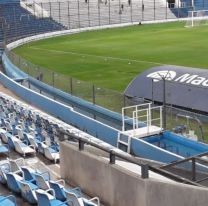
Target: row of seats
{"points": [[22, 124], [42, 130], [25, 132], [18, 22], [37, 187]]}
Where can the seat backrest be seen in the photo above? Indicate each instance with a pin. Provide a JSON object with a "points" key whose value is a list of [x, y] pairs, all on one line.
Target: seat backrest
{"points": [[8, 126], [42, 198], [11, 143], [40, 182], [32, 142], [4, 137], [12, 183], [48, 153], [18, 147], [27, 174], [15, 165], [73, 197], [5, 168], [40, 148], [20, 133], [59, 192], [26, 192]]}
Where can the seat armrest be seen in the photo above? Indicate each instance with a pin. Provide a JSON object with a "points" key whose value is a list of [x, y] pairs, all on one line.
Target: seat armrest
{"points": [[60, 181], [95, 199]]}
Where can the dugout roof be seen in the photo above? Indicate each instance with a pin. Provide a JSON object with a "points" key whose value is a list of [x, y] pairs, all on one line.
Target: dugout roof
{"points": [[185, 87]]}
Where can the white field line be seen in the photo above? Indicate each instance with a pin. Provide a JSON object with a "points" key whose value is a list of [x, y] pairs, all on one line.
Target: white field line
{"points": [[92, 55]]}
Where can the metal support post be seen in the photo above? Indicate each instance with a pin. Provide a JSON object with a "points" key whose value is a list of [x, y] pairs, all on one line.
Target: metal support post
{"points": [[164, 103], [112, 157], [193, 169], [145, 171], [71, 85], [81, 145], [93, 94]]}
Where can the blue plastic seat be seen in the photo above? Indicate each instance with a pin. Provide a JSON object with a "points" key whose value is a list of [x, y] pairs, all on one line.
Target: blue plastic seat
{"points": [[41, 182], [13, 182], [4, 168], [60, 191], [8, 200], [44, 199], [28, 191], [5, 135], [29, 174], [4, 149], [11, 141]]}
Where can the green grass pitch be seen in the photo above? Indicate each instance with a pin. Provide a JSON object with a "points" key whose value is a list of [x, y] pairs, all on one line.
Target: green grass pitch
{"points": [[111, 58]]}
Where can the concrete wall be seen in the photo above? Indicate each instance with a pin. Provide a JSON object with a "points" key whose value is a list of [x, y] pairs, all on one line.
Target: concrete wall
{"points": [[118, 187]]}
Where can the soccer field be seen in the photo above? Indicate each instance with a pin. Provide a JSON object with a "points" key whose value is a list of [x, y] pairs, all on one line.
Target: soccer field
{"points": [[111, 58]]}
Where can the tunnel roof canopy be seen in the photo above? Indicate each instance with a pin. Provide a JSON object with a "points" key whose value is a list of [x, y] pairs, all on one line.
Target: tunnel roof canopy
{"points": [[185, 87]]}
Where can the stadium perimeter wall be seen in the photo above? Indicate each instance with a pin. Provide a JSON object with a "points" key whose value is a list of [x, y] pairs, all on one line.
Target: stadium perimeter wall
{"points": [[117, 186], [74, 31], [59, 110]]}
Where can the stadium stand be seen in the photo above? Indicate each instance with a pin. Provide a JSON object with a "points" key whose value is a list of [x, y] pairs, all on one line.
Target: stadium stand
{"points": [[80, 14], [25, 18], [19, 22], [20, 124]]}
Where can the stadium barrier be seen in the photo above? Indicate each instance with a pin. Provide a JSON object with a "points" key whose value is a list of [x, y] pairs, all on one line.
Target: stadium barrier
{"points": [[59, 110]]}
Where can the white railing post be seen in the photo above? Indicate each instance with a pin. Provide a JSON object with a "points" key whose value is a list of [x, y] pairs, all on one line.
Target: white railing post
{"points": [[137, 117], [161, 120], [150, 117], [147, 112], [123, 120], [134, 123]]}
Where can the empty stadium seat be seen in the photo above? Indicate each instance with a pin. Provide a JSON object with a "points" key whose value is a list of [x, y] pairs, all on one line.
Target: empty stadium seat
{"points": [[60, 190], [80, 201], [8, 200], [43, 198]]}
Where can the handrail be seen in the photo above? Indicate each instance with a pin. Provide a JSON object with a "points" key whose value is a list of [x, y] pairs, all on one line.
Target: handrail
{"points": [[113, 153], [184, 160]]}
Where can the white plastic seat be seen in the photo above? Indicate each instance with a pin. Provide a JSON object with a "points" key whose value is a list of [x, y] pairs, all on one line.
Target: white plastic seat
{"points": [[41, 182], [53, 156], [81, 201], [24, 149]]}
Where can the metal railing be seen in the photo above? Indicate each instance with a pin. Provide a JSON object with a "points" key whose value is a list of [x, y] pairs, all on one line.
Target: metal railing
{"points": [[194, 162], [145, 167]]}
